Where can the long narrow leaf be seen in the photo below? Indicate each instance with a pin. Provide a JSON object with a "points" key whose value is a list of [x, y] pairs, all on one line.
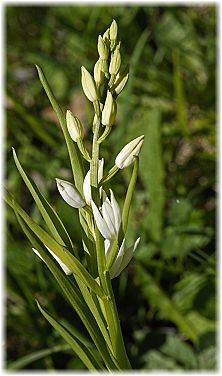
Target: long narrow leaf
{"points": [[51, 218], [66, 257], [37, 127], [74, 154], [129, 195], [78, 347], [92, 306], [36, 355], [73, 296]]}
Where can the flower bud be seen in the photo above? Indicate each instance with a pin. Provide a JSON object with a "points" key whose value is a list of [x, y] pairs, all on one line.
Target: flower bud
{"points": [[109, 110], [98, 72], [70, 194], [106, 37], [115, 62], [127, 155], [113, 30], [74, 126], [102, 48], [120, 83], [88, 85]]}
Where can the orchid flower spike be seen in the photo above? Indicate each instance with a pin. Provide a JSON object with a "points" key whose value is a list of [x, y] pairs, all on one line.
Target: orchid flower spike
{"points": [[66, 270], [123, 257], [109, 221], [70, 194], [86, 183]]}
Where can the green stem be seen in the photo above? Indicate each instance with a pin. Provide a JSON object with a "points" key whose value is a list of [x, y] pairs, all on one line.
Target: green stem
{"points": [[94, 165], [120, 346], [112, 172], [111, 313], [105, 134], [83, 150]]}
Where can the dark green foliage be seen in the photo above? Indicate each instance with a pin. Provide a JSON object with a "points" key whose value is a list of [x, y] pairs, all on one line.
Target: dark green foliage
{"points": [[167, 296]]}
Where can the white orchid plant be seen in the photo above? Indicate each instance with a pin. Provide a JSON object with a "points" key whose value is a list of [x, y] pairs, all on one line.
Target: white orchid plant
{"points": [[87, 285]]}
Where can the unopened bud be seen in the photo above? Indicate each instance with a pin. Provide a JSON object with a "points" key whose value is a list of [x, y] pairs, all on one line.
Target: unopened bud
{"points": [[127, 155], [70, 194], [88, 85], [74, 126], [109, 110], [113, 30], [120, 83], [98, 72], [102, 48], [106, 36], [115, 62]]}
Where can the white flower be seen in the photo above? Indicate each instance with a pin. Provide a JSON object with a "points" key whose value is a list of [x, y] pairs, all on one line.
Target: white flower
{"points": [[123, 257], [127, 155], [120, 83], [115, 62], [88, 85], [113, 30], [109, 110], [106, 37], [63, 266], [102, 49], [109, 221], [74, 127], [86, 183], [98, 72], [70, 194]]}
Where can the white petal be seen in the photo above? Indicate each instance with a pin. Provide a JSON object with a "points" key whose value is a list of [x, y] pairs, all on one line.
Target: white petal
{"points": [[128, 255], [86, 182], [107, 245], [70, 194], [115, 269], [87, 188], [37, 253], [108, 216], [116, 211], [100, 169], [63, 266], [100, 222]]}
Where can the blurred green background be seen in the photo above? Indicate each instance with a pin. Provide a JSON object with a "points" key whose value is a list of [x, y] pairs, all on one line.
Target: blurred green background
{"points": [[166, 297]]}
